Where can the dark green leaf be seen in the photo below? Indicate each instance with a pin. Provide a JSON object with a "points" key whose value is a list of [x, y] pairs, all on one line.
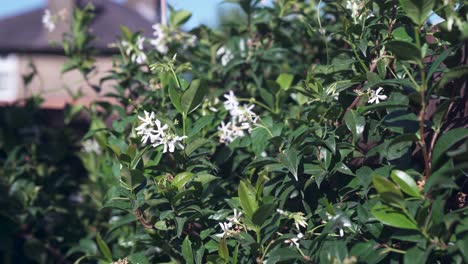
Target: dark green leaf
{"points": [[404, 50], [355, 123], [418, 10], [193, 96], [445, 142], [262, 213], [223, 250]]}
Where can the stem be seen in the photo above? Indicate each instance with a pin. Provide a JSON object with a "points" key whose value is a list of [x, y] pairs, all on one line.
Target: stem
{"points": [[422, 112], [266, 250], [252, 100]]}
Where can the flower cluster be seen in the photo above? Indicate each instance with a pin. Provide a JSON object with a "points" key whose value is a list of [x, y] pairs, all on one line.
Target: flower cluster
{"points": [[48, 21], [135, 51], [153, 131], [233, 221], [163, 38], [242, 119], [298, 218], [160, 40]]}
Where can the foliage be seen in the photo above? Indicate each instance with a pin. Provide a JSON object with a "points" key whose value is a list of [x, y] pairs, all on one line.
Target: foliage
{"points": [[321, 132]]}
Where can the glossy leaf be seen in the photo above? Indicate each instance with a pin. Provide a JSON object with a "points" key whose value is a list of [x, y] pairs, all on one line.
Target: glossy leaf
{"points": [[193, 96], [418, 10], [393, 217], [355, 123], [187, 251], [406, 182], [387, 190], [247, 198]]}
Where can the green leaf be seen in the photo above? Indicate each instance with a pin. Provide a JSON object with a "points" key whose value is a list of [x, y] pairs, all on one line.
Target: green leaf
{"points": [[187, 251], [223, 250], [175, 98], [452, 74], [401, 34], [404, 50], [262, 213], [181, 179], [393, 217], [193, 96], [355, 124], [406, 182], [139, 258], [418, 10], [103, 247], [71, 111], [387, 190], [285, 80], [179, 18], [247, 198], [445, 142], [290, 158]]}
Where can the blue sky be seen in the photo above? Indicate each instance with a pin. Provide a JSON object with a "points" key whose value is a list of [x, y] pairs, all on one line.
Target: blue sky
{"points": [[204, 11]]}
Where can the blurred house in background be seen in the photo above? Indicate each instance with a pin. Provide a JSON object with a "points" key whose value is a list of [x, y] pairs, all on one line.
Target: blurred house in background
{"points": [[25, 46]]}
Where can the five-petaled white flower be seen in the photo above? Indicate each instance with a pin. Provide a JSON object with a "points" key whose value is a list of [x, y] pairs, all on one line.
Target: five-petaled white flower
{"points": [[231, 102], [225, 54], [48, 20], [236, 218], [295, 240], [226, 227], [376, 97]]}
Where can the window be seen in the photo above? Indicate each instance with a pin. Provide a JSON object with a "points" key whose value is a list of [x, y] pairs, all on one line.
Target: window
{"points": [[8, 78]]}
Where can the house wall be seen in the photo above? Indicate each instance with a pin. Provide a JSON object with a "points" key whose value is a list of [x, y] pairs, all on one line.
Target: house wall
{"points": [[55, 87]]}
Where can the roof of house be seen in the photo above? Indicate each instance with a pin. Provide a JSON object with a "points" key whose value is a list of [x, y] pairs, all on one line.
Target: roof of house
{"points": [[25, 33]]}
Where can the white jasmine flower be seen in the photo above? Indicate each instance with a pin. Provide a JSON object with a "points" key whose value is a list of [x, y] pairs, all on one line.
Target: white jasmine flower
{"points": [[135, 52], [160, 40], [295, 240], [235, 219], [299, 220], [231, 102], [48, 21], [226, 227], [148, 120], [353, 6], [192, 41], [225, 54], [229, 132], [158, 134], [244, 114], [139, 42], [91, 146], [376, 97]]}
